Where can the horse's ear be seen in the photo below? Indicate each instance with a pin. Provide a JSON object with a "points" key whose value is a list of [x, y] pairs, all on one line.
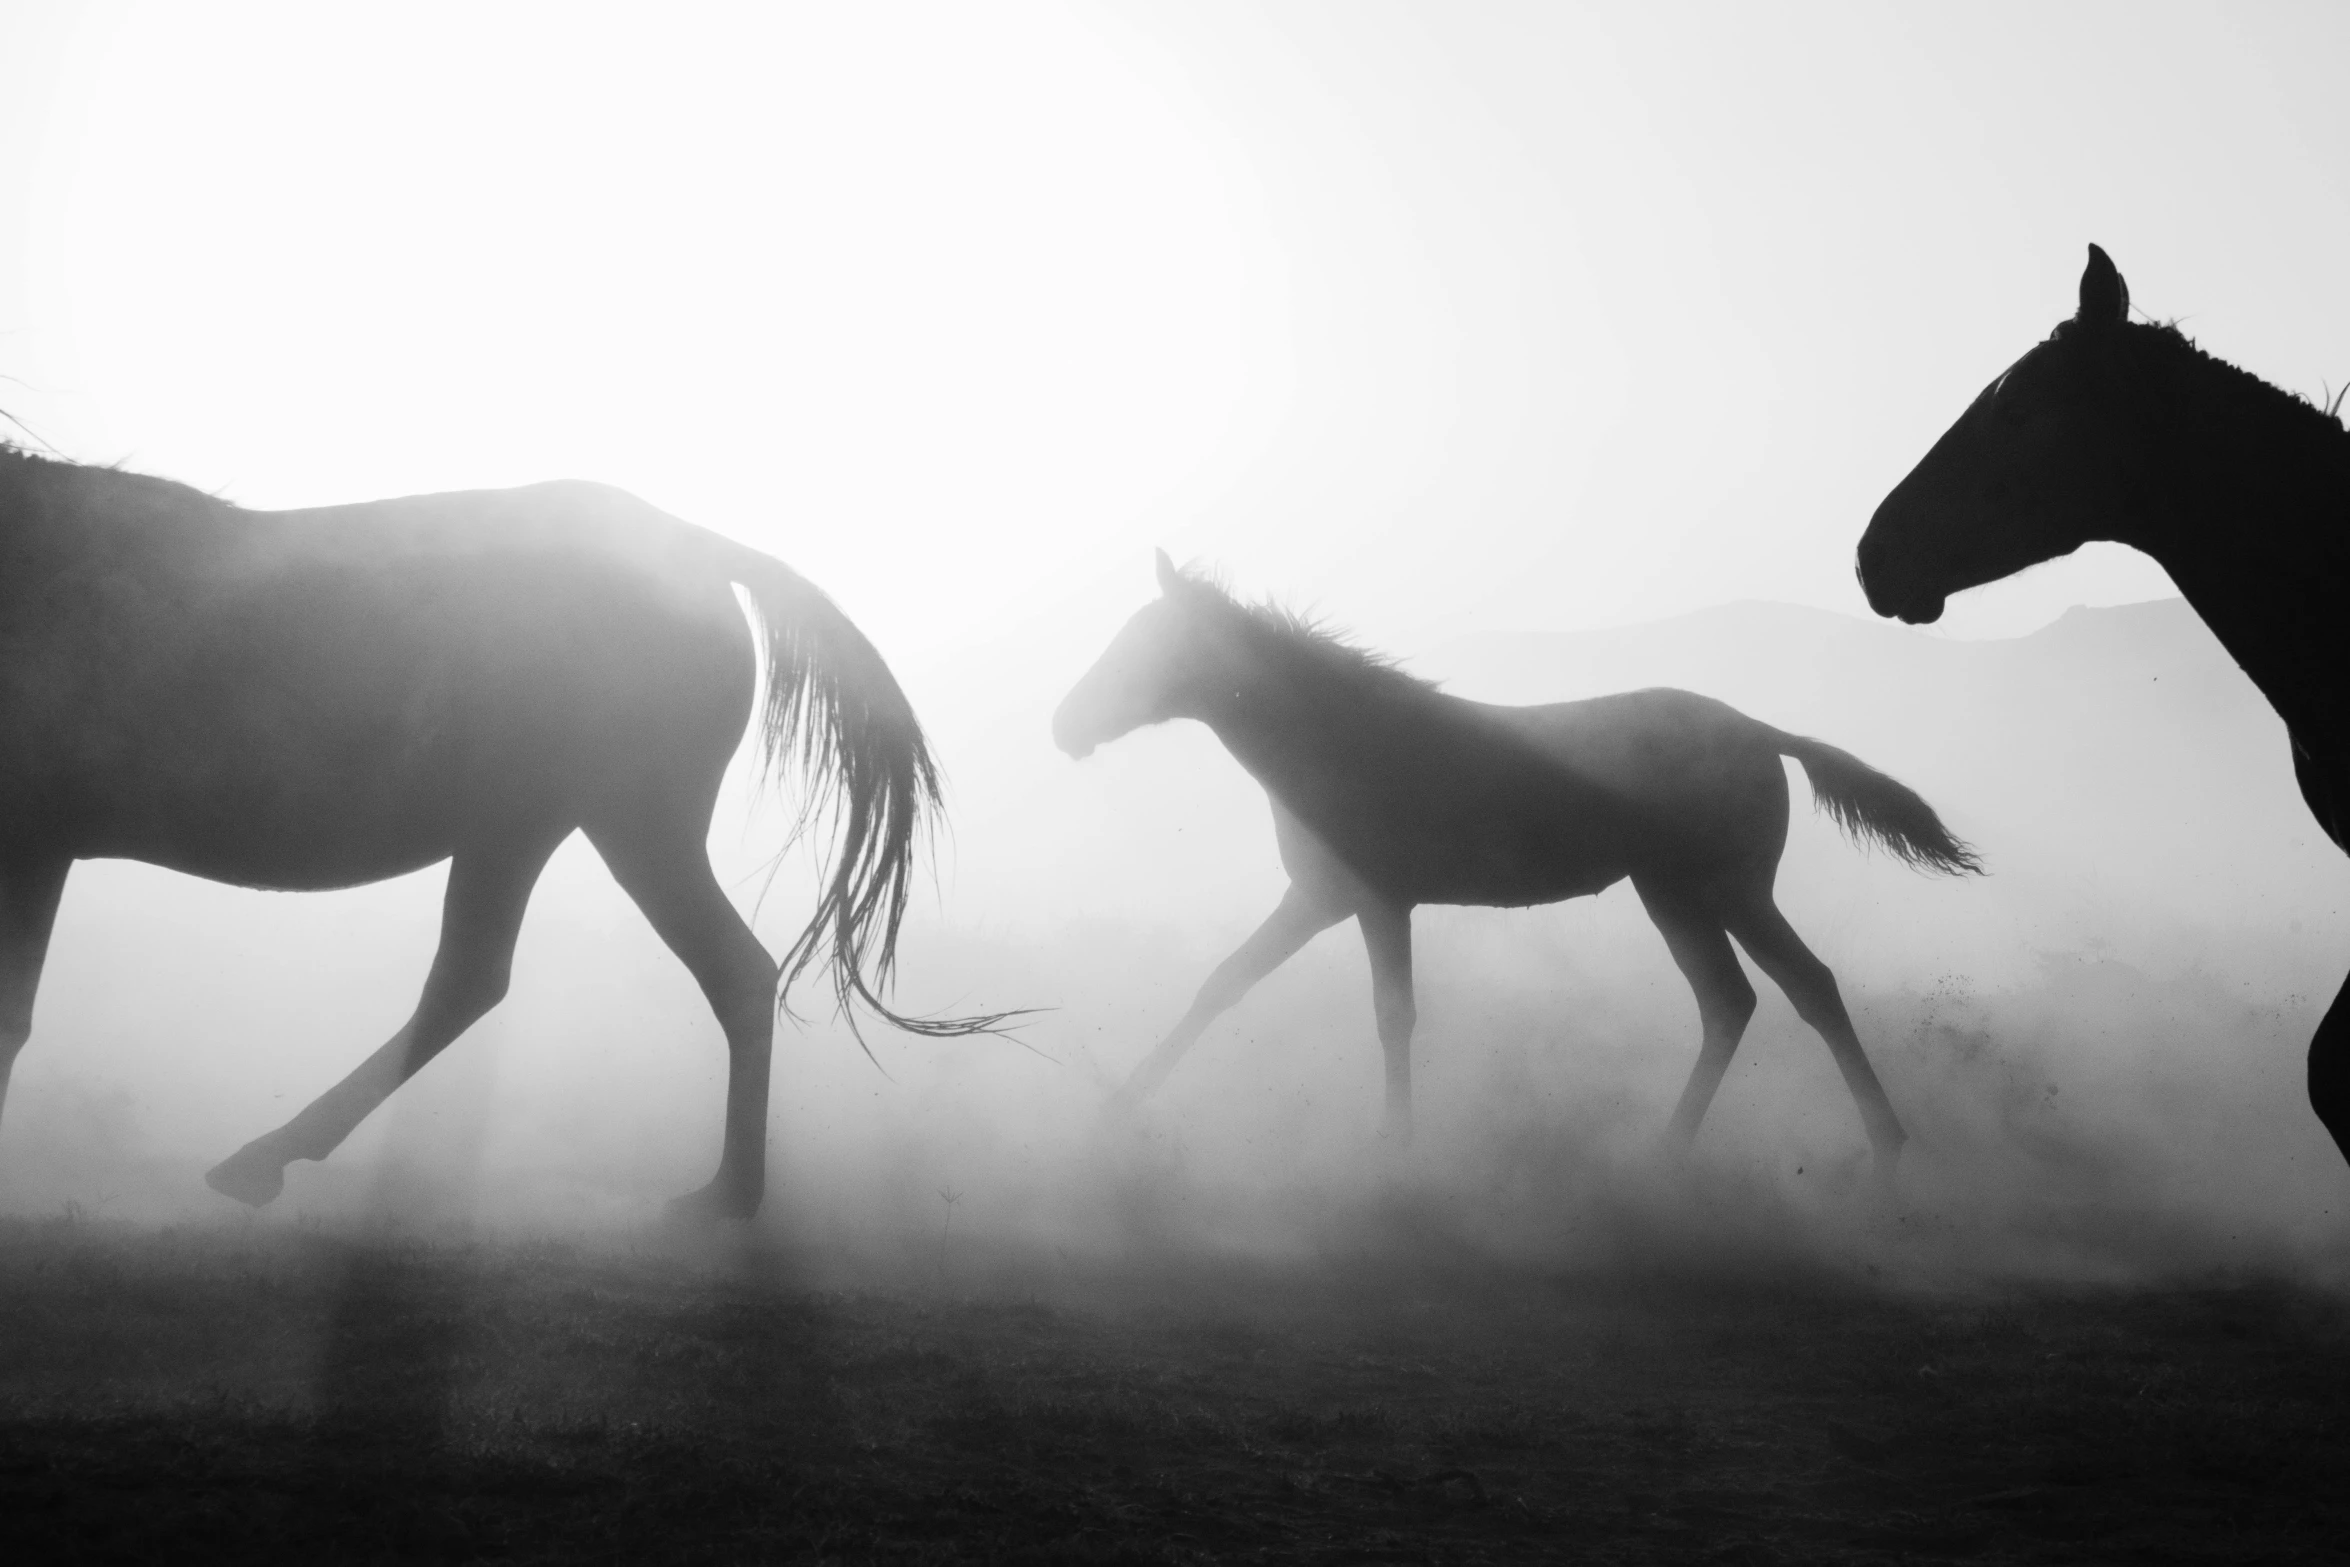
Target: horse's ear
{"points": [[1169, 578], [2105, 298]]}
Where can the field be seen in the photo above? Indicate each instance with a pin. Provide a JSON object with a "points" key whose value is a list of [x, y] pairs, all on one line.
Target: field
{"points": [[304, 1395]]}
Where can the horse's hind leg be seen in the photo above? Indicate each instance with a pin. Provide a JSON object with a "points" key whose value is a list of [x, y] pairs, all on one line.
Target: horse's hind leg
{"points": [[1725, 1000], [1387, 938], [29, 892], [481, 914], [1767, 937], [1304, 913], [663, 864]]}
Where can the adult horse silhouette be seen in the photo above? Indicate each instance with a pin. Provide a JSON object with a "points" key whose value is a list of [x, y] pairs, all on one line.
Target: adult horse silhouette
{"points": [[1388, 793], [2121, 430], [319, 698]]}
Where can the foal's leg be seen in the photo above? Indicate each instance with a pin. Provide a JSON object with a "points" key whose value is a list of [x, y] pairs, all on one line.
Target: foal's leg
{"points": [[1304, 913], [1387, 936], [29, 893], [1725, 1000], [1759, 926], [481, 914], [665, 867]]}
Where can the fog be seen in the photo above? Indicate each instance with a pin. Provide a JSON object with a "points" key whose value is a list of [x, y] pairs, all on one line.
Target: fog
{"points": [[1557, 350], [2097, 1046]]}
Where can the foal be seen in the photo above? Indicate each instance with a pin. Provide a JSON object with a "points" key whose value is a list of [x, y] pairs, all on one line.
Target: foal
{"points": [[1388, 793]]}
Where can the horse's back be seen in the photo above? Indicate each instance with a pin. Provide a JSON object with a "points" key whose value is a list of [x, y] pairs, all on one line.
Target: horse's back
{"points": [[1703, 780], [325, 696], [1633, 739]]}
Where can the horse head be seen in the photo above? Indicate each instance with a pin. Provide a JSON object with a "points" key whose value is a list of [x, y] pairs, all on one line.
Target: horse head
{"points": [[1156, 668], [2037, 466]]}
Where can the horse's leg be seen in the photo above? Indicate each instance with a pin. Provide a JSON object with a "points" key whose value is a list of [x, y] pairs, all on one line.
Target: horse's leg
{"points": [[2329, 1071], [1763, 931], [1725, 999], [2329, 1050], [664, 865], [1387, 936], [29, 893], [1303, 914], [481, 914]]}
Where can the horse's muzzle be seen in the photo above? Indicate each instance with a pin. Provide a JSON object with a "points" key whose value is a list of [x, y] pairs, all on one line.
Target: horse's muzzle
{"points": [[1917, 608]]}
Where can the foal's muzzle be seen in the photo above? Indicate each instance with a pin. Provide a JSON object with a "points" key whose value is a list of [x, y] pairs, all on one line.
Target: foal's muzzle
{"points": [[1068, 736]]}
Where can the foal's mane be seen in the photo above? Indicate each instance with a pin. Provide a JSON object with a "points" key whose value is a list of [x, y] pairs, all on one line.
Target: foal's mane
{"points": [[1283, 631]]}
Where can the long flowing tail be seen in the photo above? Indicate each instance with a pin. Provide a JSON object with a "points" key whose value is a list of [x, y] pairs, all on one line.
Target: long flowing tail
{"points": [[1868, 805], [835, 717]]}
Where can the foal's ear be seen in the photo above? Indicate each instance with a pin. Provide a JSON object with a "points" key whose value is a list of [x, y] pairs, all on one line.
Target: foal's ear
{"points": [[1169, 577], [2105, 298]]}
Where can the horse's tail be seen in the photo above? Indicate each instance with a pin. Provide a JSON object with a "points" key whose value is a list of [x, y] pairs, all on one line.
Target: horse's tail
{"points": [[1868, 805], [834, 715]]}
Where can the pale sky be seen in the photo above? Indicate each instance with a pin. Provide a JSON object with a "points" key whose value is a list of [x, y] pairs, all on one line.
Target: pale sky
{"points": [[1442, 317]]}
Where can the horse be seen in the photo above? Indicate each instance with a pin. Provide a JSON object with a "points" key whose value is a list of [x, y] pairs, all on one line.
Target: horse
{"points": [[320, 698], [2126, 431], [1388, 793]]}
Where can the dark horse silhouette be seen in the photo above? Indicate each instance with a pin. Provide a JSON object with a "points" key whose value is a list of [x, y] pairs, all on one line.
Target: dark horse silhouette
{"points": [[2121, 430], [1387, 793], [320, 698]]}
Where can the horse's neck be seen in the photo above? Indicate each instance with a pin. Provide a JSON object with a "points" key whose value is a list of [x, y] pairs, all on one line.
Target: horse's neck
{"points": [[2256, 533], [1310, 734]]}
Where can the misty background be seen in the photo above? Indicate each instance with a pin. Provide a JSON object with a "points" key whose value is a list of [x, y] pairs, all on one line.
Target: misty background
{"points": [[1557, 350]]}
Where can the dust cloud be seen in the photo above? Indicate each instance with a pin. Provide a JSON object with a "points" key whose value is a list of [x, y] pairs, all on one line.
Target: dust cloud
{"points": [[2097, 1048]]}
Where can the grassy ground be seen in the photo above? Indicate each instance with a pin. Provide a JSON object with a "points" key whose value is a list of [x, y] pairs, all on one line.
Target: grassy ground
{"points": [[273, 1395]]}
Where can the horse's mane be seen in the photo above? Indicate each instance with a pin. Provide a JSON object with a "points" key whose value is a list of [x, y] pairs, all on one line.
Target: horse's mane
{"points": [[17, 454], [2274, 400], [14, 450], [2285, 407], [21, 464], [1304, 636]]}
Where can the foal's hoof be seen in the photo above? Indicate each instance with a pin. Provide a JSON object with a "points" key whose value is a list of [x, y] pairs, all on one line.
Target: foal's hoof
{"points": [[251, 1175], [714, 1204]]}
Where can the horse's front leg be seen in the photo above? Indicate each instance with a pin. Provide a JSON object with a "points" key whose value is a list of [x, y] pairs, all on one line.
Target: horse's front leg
{"points": [[2329, 1071], [1304, 913], [1387, 936], [2329, 1051]]}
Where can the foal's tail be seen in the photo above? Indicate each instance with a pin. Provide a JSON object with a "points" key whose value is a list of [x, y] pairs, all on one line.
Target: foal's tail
{"points": [[834, 715], [1869, 805]]}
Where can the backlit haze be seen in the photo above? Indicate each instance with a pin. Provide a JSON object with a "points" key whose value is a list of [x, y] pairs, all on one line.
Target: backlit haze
{"points": [[1490, 331]]}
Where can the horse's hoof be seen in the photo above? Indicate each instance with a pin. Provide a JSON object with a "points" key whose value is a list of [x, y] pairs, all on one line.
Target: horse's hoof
{"points": [[249, 1175], [714, 1204]]}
